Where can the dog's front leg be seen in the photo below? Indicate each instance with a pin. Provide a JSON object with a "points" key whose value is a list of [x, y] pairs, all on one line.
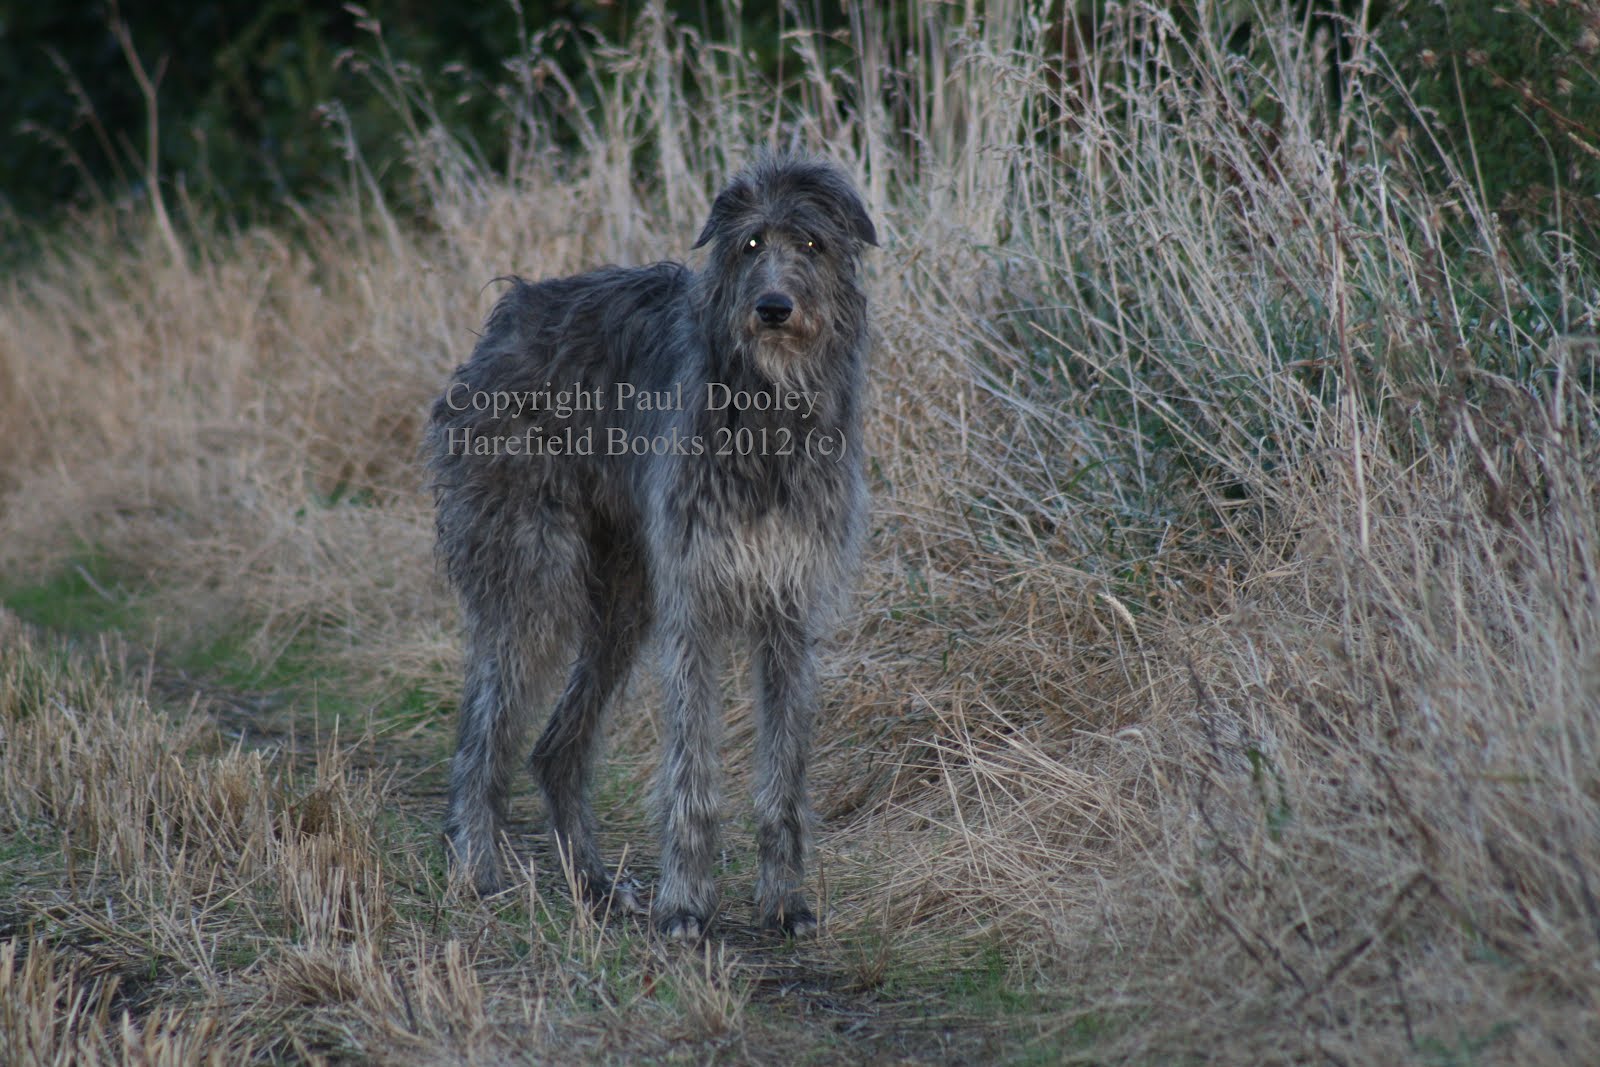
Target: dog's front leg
{"points": [[689, 795], [786, 698]]}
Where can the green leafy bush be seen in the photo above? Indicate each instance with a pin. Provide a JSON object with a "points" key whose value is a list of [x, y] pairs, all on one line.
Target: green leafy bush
{"points": [[1517, 83]]}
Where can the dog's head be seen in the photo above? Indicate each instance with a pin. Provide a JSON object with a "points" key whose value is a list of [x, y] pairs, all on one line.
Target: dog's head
{"points": [[786, 235]]}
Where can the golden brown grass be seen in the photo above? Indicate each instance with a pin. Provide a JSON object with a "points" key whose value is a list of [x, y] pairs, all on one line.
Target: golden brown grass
{"points": [[1224, 682]]}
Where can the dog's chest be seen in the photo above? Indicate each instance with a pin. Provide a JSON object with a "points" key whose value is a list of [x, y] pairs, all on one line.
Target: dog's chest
{"points": [[751, 560], [760, 516]]}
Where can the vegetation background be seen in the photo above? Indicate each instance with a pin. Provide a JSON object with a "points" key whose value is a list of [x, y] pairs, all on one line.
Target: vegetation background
{"points": [[1225, 676]]}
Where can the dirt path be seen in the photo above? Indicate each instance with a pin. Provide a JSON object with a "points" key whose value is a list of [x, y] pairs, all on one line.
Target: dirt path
{"points": [[830, 1000]]}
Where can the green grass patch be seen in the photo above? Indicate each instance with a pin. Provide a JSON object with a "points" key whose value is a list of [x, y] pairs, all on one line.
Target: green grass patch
{"points": [[87, 595], [90, 595], [24, 860], [1033, 1021]]}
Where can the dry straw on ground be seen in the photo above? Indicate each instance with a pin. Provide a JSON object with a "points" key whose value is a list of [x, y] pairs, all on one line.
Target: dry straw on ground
{"points": [[1224, 678]]}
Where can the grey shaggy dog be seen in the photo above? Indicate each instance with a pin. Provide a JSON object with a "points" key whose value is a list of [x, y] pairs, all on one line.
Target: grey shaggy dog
{"points": [[659, 450]]}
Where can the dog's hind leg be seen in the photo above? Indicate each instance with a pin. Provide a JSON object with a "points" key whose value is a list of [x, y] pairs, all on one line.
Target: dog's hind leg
{"points": [[786, 694], [563, 758], [502, 686], [519, 614]]}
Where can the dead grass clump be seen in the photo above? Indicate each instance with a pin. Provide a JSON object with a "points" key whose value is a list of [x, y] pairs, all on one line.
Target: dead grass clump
{"points": [[145, 847], [709, 994], [53, 1013]]}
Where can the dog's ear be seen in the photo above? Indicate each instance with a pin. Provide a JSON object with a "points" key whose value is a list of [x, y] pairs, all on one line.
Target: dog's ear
{"points": [[730, 202], [860, 225], [839, 193]]}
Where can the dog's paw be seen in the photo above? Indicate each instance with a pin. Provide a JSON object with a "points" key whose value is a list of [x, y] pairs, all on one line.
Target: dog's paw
{"points": [[480, 878], [489, 883], [684, 927], [794, 919], [619, 896]]}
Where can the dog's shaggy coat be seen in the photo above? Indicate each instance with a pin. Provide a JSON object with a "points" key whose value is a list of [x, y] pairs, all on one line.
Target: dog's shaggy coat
{"points": [[659, 449]]}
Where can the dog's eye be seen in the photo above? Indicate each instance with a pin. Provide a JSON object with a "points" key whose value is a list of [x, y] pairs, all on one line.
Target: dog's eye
{"points": [[754, 244], [812, 248]]}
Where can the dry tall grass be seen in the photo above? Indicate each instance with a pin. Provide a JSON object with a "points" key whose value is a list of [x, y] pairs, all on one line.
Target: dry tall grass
{"points": [[1228, 653]]}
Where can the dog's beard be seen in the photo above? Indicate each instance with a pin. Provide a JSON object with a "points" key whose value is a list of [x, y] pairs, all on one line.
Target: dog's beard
{"points": [[785, 354]]}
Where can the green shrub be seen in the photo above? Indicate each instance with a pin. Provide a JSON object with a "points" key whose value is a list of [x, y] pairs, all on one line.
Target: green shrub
{"points": [[1519, 84]]}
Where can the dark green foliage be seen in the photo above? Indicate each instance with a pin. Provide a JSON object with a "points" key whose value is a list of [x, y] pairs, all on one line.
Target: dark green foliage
{"points": [[1529, 92], [240, 88], [243, 86]]}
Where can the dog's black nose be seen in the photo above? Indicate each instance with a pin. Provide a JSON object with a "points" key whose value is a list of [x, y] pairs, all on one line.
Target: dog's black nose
{"points": [[774, 308]]}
